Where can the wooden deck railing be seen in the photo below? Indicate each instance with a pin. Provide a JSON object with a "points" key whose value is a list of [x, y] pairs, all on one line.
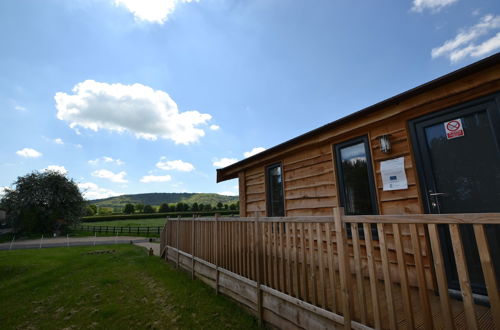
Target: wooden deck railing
{"points": [[309, 272]]}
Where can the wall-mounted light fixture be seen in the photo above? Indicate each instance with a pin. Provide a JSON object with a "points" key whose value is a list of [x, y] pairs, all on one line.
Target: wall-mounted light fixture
{"points": [[385, 143]]}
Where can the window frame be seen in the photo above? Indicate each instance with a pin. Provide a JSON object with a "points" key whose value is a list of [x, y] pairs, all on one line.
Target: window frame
{"points": [[268, 189], [340, 175]]}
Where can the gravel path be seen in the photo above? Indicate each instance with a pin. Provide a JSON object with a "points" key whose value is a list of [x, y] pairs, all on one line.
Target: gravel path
{"points": [[75, 241]]}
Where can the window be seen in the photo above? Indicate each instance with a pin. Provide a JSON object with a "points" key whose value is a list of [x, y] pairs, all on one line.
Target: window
{"points": [[355, 180], [275, 201], [357, 193]]}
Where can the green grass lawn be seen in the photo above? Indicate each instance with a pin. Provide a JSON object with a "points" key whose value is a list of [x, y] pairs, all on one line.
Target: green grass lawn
{"points": [[128, 223], [69, 288]]}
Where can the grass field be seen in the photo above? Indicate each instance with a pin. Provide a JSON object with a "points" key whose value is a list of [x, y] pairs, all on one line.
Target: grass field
{"points": [[128, 223], [73, 288]]}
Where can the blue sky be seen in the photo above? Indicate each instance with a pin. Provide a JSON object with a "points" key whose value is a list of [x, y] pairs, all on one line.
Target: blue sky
{"points": [[134, 96]]}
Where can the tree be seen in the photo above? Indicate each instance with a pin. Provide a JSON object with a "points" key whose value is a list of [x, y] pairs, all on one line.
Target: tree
{"points": [[219, 206], [129, 209], [148, 209], [232, 207], [90, 210], [208, 207], [195, 207], [163, 208], [139, 207], [201, 207], [43, 202], [226, 207]]}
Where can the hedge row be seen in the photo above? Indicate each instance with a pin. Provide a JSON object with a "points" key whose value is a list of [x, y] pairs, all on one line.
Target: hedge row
{"points": [[155, 215]]}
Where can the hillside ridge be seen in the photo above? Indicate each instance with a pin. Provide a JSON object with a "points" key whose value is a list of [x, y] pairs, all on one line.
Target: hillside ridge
{"points": [[155, 199]]}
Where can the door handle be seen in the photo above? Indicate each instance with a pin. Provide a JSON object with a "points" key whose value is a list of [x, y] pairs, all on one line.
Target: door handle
{"points": [[437, 194]]}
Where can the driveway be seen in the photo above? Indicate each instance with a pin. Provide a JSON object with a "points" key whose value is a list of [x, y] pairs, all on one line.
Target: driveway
{"points": [[77, 241]]}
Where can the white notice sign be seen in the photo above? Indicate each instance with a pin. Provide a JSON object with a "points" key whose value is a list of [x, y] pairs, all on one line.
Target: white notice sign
{"points": [[393, 174]]}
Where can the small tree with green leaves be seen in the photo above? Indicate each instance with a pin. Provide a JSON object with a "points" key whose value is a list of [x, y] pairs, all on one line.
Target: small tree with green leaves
{"points": [[195, 207], [164, 208], [219, 206], [43, 202], [139, 207], [129, 208], [148, 209]]}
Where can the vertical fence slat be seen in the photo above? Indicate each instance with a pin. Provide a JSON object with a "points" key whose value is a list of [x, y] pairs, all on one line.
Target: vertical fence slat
{"points": [[281, 227], [275, 256], [463, 276], [442, 282], [192, 247], [359, 274], [344, 271], [321, 265], [371, 271], [403, 277], [387, 276], [296, 260], [422, 283], [177, 239], [258, 248], [331, 267], [217, 253], [312, 264], [289, 271], [489, 272], [305, 296]]}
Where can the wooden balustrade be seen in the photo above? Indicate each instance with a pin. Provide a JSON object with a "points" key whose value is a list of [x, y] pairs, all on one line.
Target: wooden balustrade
{"points": [[310, 271]]}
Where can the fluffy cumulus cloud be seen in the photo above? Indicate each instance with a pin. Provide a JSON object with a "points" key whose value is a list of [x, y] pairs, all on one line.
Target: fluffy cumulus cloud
{"points": [[214, 127], [3, 191], [478, 40], [108, 175], [254, 151], [432, 5], [223, 162], [90, 191], [177, 165], [105, 159], [153, 11], [58, 141], [56, 168], [149, 114], [155, 178], [29, 153]]}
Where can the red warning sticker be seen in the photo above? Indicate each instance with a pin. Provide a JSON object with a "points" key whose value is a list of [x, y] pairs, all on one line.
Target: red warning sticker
{"points": [[454, 129]]}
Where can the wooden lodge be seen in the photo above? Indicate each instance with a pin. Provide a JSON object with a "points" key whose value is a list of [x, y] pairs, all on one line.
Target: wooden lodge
{"points": [[386, 218]]}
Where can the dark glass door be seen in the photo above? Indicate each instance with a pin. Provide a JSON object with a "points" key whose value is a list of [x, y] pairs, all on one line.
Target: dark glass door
{"points": [[460, 173]]}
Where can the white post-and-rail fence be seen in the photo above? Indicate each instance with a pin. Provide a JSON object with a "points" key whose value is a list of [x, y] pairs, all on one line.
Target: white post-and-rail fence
{"points": [[358, 272]]}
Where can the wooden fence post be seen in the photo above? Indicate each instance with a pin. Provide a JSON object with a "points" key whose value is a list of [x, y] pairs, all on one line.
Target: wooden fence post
{"points": [[258, 275], [192, 247], [217, 253], [177, 240], [344, 269]]}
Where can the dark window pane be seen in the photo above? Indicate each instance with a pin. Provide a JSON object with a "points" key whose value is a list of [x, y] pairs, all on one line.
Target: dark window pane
{"points": [[356, 183], [275, 192]]}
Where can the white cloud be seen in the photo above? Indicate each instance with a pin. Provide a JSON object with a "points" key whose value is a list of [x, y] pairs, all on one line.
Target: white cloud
{"points": [[149, 114], [177, 165], [92, 191], [3, 191], [155, 178], [153, 11], [78, 146], [464, 45], [223, 162], [106, 159], [58, 141], [214, 127], [56, 168], [254, 151], [113, 177], [19, 108], [433, 5], [28, 153]]}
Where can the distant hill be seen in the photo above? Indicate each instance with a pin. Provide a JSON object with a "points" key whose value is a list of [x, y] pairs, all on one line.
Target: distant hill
{"points": [[155, 199]]}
